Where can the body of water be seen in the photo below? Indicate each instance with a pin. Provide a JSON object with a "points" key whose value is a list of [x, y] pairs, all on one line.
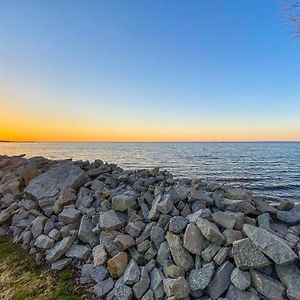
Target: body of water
{"points": [[271, 169]]}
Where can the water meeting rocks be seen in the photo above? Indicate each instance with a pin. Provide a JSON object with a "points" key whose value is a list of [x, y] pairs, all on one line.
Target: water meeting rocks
{"points": [[143, 234]]}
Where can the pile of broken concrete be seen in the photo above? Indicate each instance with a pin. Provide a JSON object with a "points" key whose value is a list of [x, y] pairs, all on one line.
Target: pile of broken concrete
{"points": [[142, 234]]}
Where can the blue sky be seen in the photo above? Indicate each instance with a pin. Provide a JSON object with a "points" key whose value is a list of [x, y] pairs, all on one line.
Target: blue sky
{"points": [[157, 70]]}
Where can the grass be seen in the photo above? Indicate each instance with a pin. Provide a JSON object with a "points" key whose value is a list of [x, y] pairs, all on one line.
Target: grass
{"points": [[22, 279]]}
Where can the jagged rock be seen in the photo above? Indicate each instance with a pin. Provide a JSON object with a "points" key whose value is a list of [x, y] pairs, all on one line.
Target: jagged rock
{"points": [[123, 202], [239, 206], [177, 224], [148, 295], [132, 273], [240, 279], [201, 213], [231, 236], [85, 233], [166, 204], [140, 288], [236, 294], [199, 279], [69, 215], [99, 255], [220, 281], [156, 283], [267, 286], [6, 214], [60, 264], [221, 256], [54, 234], [178, 287], [123, 292], [210, 231], [289, 275], [59, 249], [174, 271], [210, 251], [270, 244], [134, 228], [102, 288], [116, 265], [44, 242], [46, 187], [246, 255], [79, 252], [124, 241], [37, 226], [157, 235], [85, 276], [163, 254], [110, 220], [193, 239], [98, 274], [180, 256], [291, 216]]}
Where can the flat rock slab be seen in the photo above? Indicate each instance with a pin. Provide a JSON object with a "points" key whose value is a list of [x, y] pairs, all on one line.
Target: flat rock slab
{"points": [[270, 244], [46, 187]]}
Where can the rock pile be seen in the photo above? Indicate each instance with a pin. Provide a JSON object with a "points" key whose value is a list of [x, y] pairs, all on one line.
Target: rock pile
{"points": [[144, 235]]}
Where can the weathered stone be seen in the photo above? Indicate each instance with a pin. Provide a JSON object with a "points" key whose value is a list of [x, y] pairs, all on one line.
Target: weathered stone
{"points": [[44, 242], [201, 213], [78, 251], [140, 288], [110, 220], [270, 244], [157, 235], [123, 292], [177, 224], [240, 279], [210, 231], [193, 239], [163, 254], [174, 271], [54, 234], [124, 241], [132, 273], [180, 256], [246, 255], [46, 187], [102, 288], [200, 278], [236, 294], [220, 281], [165, 205], [148, 295], [99, 255], [221, 256], [85, 276], [291, 216], [66, 196], [267, 286], [210, 251], [116, 265], [178, 287], [98, 274], [60, 264], [37, 226], [85, 233], [156, 283], [289, 275], [7, 214], [69, 215], [134, 228], [231, 236], [239, 206], [59, 249], [123, 202], [238, 193]]}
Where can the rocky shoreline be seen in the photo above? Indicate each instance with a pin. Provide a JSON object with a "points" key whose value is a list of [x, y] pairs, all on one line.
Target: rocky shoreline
{"points": [[141, 234]]}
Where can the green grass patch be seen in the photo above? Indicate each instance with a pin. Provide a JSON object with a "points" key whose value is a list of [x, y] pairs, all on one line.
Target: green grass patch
{"points": [[21, 278]]}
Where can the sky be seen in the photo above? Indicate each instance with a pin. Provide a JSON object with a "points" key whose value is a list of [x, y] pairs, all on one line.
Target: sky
{"points": [[150, 70]]}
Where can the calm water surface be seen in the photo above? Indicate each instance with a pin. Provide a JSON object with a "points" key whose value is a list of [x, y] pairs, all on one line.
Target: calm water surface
{"points": [[271, 169]]}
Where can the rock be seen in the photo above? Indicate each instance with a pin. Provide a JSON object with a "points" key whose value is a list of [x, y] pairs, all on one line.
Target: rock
{"points": [[102, 288], [236, 294], [229, 219], [37, 226], [266, 286], [221, 256], [166, 204], [85, 198], [59, 249], [107, 238], [246, 255], [78, 251], [193, 239], [270, 244], [66, 196], [86, 271], [163, 254], [85, 233], [69, 215], [178, 287], [210, 251], [177, 224], [123, 202], [116, 265], [157, 235], [210, 231], [7, 200], [142, 285], [44, 242], [231, 236], [289, 275], [110, 220], [98, 274], [199, 279], [203, 213], [240, 279], [238, 193], [46, 187], [156, 283], [220, 281], [54, 234], [60, 264], [239, 206], [148, 295], [132, 273], [134, 228], [99, 255], [124, 241], [180, 256], [123, 292], [291, 216], [6, 214], [174, 271]]}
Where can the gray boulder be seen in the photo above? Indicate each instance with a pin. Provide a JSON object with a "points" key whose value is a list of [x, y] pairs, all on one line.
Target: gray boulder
{"points": [[193, 240], [240, 279], [44, 242], [78, 251], [69, 215], [122, 202], [199, 279], [59, 249], [177, 288]]}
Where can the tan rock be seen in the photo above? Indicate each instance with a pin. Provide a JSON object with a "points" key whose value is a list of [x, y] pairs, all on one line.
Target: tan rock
{"points": [[116, 265]]}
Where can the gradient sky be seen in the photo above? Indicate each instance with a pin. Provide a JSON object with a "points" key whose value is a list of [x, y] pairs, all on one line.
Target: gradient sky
{"points": [[141, 70]]}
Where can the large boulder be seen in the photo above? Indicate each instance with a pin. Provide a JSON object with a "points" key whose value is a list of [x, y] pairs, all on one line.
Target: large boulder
{"points": [[46, 187]]}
